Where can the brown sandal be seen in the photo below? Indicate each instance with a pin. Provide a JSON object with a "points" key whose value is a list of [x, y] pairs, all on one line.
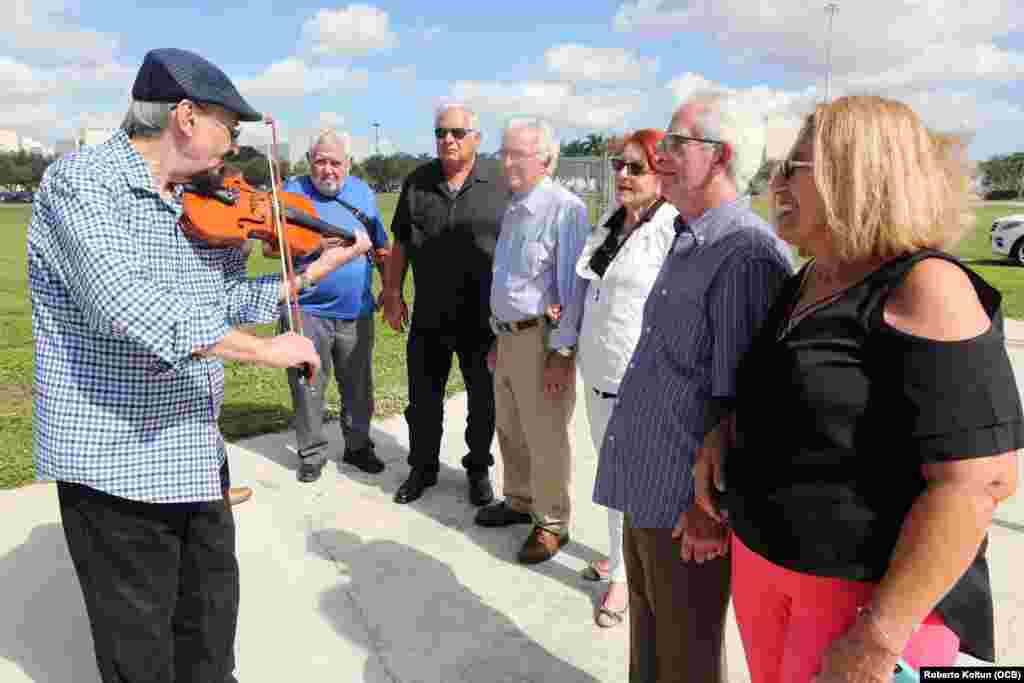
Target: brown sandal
{"points": [[607, 618]]}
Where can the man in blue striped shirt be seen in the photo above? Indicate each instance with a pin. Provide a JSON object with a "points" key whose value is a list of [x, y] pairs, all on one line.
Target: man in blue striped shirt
{"points": [[131, 321], [712, 294], [542, 234]]}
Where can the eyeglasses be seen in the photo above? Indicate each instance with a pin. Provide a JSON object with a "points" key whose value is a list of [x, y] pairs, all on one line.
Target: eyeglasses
{"points": [[787, 167], [632, 167], [673, 143], [515, 155], [233, 131], [457, 133]]}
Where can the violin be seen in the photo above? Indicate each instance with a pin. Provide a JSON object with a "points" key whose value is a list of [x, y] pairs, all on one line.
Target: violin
{"points": [[225, 212]]}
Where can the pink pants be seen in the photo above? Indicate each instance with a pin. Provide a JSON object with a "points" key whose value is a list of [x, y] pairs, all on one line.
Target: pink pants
{"points": [[787, 619]]}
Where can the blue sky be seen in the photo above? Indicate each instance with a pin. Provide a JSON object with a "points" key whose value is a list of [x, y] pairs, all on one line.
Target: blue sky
{"points": [[600, 67]]}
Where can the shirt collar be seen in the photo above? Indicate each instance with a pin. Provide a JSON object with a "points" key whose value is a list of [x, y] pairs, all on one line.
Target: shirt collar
{"points": [[136, 173], [478, 173], [714, 222], [534, 200]]}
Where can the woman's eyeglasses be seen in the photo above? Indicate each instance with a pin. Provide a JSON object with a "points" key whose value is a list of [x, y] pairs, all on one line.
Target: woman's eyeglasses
{"points": [[457, 133], [632, 167], [787, 167]]}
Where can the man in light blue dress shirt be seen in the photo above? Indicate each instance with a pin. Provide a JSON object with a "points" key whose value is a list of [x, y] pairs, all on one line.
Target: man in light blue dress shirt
{"points": [[542, 234]]}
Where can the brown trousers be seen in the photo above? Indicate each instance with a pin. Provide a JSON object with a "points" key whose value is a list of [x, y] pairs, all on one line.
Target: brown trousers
{"points": [[533, 431], [676, 611]]}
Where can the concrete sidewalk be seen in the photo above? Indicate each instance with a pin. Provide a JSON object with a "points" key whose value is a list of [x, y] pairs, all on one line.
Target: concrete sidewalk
{"points": [[341, 584]]}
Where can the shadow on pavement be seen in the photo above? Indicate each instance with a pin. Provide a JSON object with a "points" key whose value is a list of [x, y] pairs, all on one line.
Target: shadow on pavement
{"points": [[437, 628], [44, 630], [447, 503]]}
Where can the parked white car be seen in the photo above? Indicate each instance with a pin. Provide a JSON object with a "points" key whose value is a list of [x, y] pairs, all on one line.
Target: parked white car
{"points": [[1008, 237]]}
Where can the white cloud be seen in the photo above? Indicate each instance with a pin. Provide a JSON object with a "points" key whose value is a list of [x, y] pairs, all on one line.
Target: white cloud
{"points": [[942, 109], [292, 77], [869, 36], [21, 83], [947, 63], [34, 120], [575, 62], [356, 29], [106, 119], [329, 119], [364, 146], [557, 102], [45, 26]]}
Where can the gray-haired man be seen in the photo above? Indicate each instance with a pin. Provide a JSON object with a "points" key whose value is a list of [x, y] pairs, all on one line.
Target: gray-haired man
{"points": [[338, 313]]}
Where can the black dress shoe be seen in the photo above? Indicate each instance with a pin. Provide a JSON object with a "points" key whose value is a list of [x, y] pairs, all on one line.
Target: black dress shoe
{"points": [[310, 469], [480, 490], [500, 514], [365, 459], [413, 487]]}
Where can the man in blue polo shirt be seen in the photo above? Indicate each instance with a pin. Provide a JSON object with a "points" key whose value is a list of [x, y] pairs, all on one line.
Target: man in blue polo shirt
{"points": [[338, 313]]}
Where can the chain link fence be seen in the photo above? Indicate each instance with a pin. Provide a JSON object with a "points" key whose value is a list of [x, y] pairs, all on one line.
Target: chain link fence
{"points": [[592, 179]]}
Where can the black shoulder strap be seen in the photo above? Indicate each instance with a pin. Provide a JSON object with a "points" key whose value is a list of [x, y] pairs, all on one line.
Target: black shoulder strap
{"points": [[360, 216], [890, 275]]}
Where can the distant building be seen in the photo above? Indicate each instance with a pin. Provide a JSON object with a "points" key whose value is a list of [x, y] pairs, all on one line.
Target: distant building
{"points": [[94, 136], [65, 146], [9, 141], [32, 146]]}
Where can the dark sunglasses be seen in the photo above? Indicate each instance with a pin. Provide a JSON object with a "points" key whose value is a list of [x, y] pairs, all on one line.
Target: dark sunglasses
{"points": [[633, 167], [457, 133], [787, 167]]}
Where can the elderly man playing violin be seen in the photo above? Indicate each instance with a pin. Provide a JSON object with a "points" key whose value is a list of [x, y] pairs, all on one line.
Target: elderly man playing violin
{"points": [[132, 320], [338, 313]]}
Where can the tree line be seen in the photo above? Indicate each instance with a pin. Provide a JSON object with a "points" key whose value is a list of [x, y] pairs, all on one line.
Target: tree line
{"points": [[1002, 177], [999, 177], [22, 170]]}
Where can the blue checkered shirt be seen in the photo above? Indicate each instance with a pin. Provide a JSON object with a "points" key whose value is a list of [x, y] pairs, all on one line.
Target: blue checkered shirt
{"points": [[714, 290], [121, 302]]}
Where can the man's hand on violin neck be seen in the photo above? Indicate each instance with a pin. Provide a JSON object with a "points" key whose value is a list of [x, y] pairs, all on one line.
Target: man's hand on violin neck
{"points": [[290, 350]]}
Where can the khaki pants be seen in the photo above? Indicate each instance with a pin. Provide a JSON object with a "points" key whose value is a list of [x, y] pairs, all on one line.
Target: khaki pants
{"points": [[676, 611], [533, 431]]}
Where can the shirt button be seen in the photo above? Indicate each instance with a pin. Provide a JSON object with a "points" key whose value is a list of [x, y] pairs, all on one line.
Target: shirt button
{"points": [[664, 292], [648, 329]]}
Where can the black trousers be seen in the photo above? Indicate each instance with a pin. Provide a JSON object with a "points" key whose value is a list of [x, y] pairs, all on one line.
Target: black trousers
{"points": [[429, 359], [160, 583]]}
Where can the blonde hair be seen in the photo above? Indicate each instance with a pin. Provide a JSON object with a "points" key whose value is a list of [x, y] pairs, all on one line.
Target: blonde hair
{"points": [[889, 185]]}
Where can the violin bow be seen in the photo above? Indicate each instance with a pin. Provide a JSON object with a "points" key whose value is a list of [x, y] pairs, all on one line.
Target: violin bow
{"points": [[287, 263]]}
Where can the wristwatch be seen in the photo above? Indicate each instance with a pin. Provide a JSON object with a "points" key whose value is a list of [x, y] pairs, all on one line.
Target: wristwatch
{"points": [[566, 351]]}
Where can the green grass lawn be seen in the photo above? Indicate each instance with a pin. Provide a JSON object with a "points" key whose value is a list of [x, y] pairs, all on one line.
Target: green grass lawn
{"points": [[257, 399]]}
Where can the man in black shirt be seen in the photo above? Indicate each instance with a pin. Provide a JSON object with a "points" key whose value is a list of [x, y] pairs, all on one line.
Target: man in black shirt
{"points": [[446, 225]]}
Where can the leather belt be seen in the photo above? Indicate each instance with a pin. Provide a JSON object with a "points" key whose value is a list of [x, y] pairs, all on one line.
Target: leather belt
{"points": [[604, 394], [500, 327]]}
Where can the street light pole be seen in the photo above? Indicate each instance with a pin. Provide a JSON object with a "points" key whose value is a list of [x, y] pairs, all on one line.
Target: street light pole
{"points": [[376, 128], [831, 8]]}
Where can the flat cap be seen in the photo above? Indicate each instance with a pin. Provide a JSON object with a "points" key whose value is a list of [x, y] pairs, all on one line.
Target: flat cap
{"points": [[169, 75]]}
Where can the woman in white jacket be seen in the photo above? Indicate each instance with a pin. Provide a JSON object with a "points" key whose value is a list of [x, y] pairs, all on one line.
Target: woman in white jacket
{"points": [[621, 260]]}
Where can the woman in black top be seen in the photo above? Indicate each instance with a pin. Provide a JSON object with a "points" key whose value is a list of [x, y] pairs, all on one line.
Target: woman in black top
{"points": [[860, 531]]}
